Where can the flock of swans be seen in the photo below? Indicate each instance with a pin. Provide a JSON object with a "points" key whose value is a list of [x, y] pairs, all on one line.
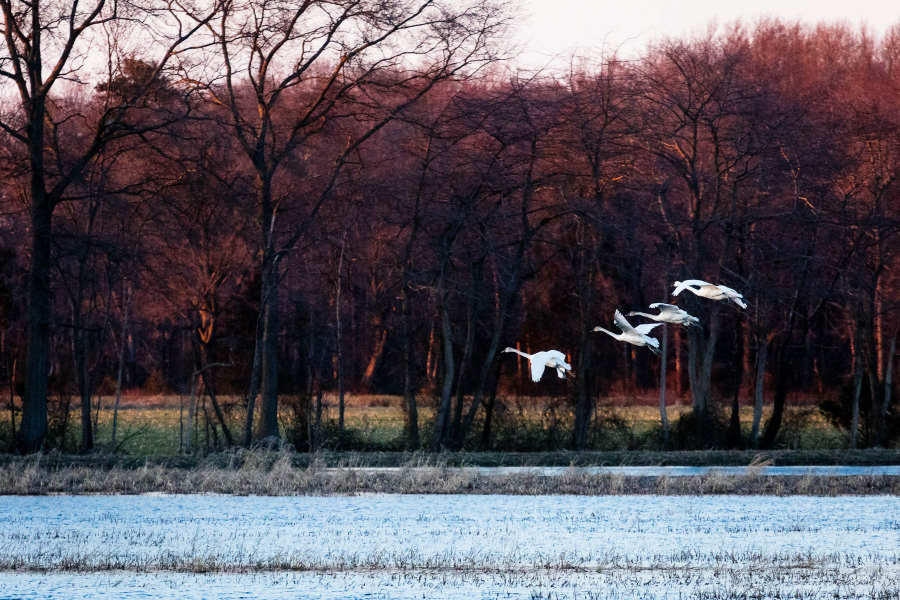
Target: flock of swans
{"points": [[639, 335]]}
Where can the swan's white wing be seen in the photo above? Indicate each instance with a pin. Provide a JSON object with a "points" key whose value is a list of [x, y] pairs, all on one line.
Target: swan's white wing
{"points": [[729, 290], [559, 356], [663, 307], [645, 328], [537, 368], [740, 302], [621, 323], [694, 282]]}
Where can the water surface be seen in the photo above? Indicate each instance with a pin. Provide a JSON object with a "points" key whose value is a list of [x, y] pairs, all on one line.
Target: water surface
{"points": [[402, 546]]}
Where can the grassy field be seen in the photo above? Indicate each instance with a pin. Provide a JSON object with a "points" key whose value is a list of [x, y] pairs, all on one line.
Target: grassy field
{"points": [[156, 426]]}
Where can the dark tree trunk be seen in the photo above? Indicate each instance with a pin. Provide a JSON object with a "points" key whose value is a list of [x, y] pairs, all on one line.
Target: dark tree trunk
{"points": [[268, 426], [268, 422], [80, 347], [758, 389], [217, 409], [888, 382], [33, 428], [412, 411], [663, 415], [778, 401], [583, 401], [489, 414], [253, 392], [734, 428], [269, 395], [442, 419], [475, 292]]}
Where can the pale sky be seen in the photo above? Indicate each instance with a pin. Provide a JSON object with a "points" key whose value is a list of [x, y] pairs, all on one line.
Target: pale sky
{"points": [[555, 26]]}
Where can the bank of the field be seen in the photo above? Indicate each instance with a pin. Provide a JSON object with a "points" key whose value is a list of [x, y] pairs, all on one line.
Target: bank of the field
{"points": [[290, 473]]}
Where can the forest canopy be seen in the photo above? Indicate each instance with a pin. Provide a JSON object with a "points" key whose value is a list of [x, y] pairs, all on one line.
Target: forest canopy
{"points": [[274, 202]]}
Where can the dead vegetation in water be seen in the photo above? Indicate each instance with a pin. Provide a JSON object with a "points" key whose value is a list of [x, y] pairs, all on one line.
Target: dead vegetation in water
{"points": [[276, 474]]}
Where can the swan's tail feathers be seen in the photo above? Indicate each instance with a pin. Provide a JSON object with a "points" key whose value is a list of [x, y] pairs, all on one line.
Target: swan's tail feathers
{"points": [[653, 344], [739, 302], [561, 372]]}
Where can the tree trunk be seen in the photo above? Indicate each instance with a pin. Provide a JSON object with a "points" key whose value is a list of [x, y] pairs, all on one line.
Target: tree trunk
{"points": [[734, 428], [217, 409], [705, 375], [697, 398], [758, 390], [340, 341], [888, 376], [857, 391], [33, 428], [874, 409], [12, 398], [475, 292], [80, 351], [409, 390], [679, 375], [268, 422], [663, 416], [441, 421], [489, 413], [700, 360], [253, 392], [127, 303], [430, 362], [583, 403], [374, 359], [180, 422], [192, 407], [269, 413]]}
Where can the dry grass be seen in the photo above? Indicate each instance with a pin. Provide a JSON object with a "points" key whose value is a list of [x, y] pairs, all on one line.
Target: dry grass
{"points": [[150, 424], [275, 474]]}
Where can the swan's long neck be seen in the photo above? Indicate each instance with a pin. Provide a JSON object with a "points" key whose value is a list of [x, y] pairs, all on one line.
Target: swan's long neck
{"points": [[528, 356], [607, 331], [654, 317]]}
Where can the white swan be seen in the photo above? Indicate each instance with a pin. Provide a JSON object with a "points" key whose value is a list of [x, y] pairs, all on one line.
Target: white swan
{"points": [[633, 335], [549, 358], [708, 290], [668, 313]]}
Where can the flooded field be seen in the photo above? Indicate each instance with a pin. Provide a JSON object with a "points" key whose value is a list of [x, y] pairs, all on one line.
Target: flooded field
{"points": [[403, 546]]}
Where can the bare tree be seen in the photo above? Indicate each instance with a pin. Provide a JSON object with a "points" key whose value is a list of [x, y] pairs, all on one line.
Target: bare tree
{"points": [[296, 72], [44, 44]]}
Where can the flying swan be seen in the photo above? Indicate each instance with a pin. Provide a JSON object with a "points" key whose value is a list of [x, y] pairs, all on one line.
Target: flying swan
{"points": [[668, 313], [549, 358], [708, 290], [633, 335]]}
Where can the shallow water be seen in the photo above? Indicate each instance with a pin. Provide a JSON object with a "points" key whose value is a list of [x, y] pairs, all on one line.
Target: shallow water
{"points": [[668, 471], [397, 546]]}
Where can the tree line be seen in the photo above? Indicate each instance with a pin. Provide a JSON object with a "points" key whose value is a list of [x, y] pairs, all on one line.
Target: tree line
{"points": [[265, 202]]}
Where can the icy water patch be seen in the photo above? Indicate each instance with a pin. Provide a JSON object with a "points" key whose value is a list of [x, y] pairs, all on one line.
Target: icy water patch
{"points": [[449, 546], [662, 471]]}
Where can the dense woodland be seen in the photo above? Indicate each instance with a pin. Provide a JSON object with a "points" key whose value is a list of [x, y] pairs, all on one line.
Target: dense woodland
{"points": [[280, 204]]}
